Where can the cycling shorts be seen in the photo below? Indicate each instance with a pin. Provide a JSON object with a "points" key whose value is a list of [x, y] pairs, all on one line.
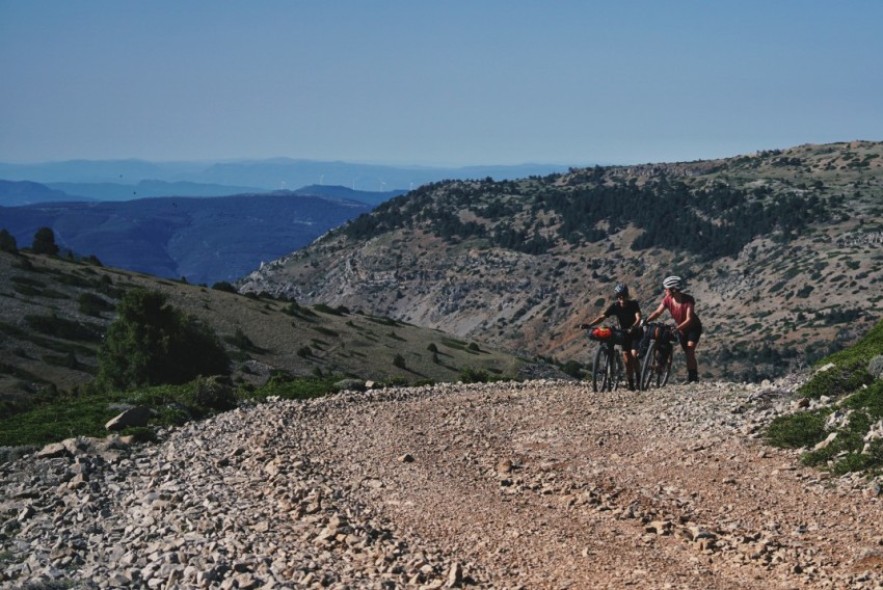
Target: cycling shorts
{"points": [[692, 334], [632, 341]]}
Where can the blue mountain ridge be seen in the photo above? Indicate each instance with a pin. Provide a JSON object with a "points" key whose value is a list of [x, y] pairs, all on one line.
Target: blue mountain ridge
{"points": [[203, 240]]}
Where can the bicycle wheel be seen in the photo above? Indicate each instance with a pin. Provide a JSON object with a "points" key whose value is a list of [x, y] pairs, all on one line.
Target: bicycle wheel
{"points": [[601, 370], [665, 365], [656, 367], [648, 366]]}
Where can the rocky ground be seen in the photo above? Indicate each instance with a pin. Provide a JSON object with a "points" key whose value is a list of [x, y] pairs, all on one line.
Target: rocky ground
{"points": [[540, 484]]}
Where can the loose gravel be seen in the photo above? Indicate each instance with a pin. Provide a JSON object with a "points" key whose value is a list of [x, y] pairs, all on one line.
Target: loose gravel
{"points": [[541, 484]]}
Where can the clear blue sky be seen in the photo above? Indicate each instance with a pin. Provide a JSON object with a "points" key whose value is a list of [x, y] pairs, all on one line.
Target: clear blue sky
{"points": [[435, 82]]}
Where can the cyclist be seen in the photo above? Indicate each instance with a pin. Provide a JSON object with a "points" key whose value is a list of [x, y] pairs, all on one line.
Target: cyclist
{"points": [[628, 312], [681, 307]]}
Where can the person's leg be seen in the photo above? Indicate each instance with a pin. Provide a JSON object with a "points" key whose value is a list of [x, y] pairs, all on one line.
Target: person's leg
{"points": [[688, 345], [636, 368], [629, 367], [692, 364]]}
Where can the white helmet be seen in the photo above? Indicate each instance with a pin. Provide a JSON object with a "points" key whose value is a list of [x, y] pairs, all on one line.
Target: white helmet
{"points": [[673, 282]]}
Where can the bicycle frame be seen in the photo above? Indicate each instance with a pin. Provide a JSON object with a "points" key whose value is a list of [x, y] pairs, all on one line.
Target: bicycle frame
{"points": [[657, 352]]}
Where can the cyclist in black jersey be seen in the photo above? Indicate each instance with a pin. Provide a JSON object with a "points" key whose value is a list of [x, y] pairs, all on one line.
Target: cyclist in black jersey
{"points": [[628, 312]]}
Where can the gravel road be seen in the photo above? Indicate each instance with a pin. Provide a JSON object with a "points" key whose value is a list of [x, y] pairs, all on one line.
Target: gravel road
{"points": [[541, 484]]}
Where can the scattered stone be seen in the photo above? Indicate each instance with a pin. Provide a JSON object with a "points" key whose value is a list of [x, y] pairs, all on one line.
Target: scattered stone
{"points": [[133, 417]]}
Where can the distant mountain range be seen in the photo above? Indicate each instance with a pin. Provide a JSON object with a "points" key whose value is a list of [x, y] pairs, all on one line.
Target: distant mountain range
{"points": [[89, 178], [142, 216], [204, 240]]}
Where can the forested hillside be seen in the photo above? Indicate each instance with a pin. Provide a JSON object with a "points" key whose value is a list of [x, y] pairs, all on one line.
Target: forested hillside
{"points": [[709, 222]]}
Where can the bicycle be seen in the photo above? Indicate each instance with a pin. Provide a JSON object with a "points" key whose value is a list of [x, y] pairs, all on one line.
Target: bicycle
{"points": [[657, 351], [608, 370]]}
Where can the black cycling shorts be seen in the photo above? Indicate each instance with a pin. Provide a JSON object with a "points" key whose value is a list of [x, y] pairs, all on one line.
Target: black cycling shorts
{"points": [[692, 334], [632, 341]]}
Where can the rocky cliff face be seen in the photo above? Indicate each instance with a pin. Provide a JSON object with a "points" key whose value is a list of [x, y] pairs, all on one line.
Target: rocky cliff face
{"points": [[503, 263]]}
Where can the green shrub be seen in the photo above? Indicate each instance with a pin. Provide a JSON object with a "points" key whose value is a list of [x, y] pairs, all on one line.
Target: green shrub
{"points": [[296, 388], [177, 404], [837, 381], [224, 286], [797, 430], [326, 331], [52, 325], [324, 308], [7, 242], [470, 375], [92, 304], [212, 394], [44, 242], [241, 341], [299, 311], [844, 454], [152, 343], [869, 400]]}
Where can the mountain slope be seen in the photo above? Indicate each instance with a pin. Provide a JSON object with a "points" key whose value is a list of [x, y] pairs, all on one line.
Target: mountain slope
{"points": [[782, 250], [54, 312]]}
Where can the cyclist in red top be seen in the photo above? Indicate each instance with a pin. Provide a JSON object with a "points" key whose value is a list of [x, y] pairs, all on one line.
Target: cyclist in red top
{"points": [[681, 307]]}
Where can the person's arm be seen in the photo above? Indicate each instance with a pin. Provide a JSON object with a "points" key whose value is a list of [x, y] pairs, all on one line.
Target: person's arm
{"points": [[597, 320], [656, 313], [637, 323]]}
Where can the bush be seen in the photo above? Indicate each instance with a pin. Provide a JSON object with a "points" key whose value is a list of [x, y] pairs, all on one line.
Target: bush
{"points": [[44, 242], [837, 381], [224, 286], [289, 387], [797, 430], [52, 325], [470, 375], [178, 404], [213, 394], [152, 343], [324, 308], [7, 242], [92, 304]]}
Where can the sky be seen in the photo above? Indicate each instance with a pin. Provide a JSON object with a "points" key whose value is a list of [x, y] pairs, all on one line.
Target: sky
{"points": [[455, 82]]}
